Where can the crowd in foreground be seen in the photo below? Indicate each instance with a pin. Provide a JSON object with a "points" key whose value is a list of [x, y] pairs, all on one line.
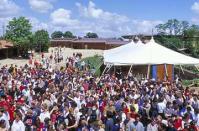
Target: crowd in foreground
{"points": [[70, 98]]}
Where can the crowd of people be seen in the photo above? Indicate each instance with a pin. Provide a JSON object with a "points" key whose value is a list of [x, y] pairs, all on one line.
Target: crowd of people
{"points": [[71, 98]]}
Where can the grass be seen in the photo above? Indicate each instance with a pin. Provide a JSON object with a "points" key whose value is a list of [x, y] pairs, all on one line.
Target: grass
{"points": [[94, 62], [189, 82]]}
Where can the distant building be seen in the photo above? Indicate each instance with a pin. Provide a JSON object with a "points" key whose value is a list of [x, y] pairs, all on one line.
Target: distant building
{"points": [[6, 49], [88, 43]]}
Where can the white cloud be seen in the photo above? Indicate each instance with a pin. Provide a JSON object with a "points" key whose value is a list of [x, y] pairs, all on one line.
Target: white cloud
{"points": [[93, 12], [90, 19], [109, 24], [37, 25], [8, 8], [62, 17], [195, 7], [145, 26], [195, 20], [3, 24], [41, 6]]}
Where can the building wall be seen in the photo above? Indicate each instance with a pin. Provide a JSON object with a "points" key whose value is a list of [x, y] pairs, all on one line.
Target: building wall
{"points": [[79, 45]]}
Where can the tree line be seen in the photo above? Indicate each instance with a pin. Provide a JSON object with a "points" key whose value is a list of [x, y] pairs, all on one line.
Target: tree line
{"points": [[68, 34], [180, 36]]}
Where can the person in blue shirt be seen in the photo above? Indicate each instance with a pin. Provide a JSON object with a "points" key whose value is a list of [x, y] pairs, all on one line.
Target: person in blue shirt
{"points": [[109, 122]]}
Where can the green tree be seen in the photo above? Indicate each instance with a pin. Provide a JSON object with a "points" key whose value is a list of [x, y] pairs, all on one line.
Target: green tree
{"points": [[91, 35], [171, 33], [19, 32], [179, 36], [172, 27], [41, 40], [56, 34], [68, 34], [191, 40]]}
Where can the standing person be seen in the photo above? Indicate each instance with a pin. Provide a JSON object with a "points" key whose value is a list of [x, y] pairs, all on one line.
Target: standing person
{"points": [[18, 125], [3, 125], [44, 113], [29, 120], [138, 125], [152, 126], [72, 122], [109, 123], [5, 118]]}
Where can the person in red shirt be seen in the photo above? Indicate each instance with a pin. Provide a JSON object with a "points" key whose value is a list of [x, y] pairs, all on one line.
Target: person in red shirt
{"points": [[11, 112], [125, 108], [178, 123], [3, 102], [132, 112], [54, 114], [187, 92]]}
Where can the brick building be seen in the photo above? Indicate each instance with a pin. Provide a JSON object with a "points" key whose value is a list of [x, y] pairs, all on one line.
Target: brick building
{"points": [[88, 43], [6, 49]]}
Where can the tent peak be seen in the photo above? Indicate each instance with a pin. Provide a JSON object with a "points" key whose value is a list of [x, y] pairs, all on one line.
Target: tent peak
{"points": [[152, 39]]}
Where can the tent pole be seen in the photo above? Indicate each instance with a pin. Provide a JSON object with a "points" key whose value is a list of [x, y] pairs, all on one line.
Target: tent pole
{"points": [[104, 70], [165, 66], [181, 69], [109, 68], [196, 67], [129, 70], [114, 69], [148, 72], [102, 73]]}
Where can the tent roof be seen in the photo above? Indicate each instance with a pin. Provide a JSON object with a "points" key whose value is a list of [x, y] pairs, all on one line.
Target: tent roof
{"points": [[144, 54]]}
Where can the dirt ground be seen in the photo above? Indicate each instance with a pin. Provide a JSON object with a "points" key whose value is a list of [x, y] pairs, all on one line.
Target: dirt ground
{"points": [[66, 53]]}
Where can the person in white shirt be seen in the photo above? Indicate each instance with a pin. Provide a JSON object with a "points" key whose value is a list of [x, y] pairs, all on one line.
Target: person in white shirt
{"points": [[44, 113], [161, 106], [152, 126], [138, 125], [18, 125], [4, 117]]}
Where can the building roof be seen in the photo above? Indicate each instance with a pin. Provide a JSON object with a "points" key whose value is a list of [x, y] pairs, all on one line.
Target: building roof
{"points": [[110, 41], [5, 44]]}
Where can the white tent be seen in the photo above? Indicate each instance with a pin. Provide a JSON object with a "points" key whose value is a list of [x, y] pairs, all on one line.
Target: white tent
{"points": [[150, 53]]}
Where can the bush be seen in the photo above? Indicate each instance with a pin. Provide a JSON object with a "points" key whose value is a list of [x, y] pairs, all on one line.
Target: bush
{"points": [[94, 63]]}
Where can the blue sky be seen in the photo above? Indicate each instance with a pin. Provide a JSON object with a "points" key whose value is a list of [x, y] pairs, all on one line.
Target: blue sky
{"points": [[108, 18]]}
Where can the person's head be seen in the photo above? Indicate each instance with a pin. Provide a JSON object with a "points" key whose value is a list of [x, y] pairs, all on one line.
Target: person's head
{"points": [[124, 105], [18, 116], [2, 124], [188, 109], [169, 105], [44, 107], [137, 118], [29, 112], [109, 114], [153, 121], [170, 122], [3, 97], [111, 103]]}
